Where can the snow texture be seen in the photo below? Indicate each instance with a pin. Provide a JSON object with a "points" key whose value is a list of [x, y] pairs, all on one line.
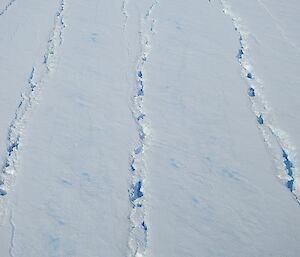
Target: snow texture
{"points": [[149, 128]]}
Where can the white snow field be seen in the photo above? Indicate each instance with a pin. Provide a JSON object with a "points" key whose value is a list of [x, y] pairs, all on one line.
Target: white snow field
{"points": [[149, 128]]}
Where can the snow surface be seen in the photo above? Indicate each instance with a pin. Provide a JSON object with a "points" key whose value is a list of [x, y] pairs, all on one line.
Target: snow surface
{"points": [[149, 128]]}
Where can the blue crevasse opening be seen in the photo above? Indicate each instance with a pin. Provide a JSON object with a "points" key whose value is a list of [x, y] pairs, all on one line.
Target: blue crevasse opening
{"points": [[289, 168], [144, 226], [260, 119], [137, 193], [251, 92], [12, 147], [2, 192], [140, 74], [241, 53], [249, 75]]}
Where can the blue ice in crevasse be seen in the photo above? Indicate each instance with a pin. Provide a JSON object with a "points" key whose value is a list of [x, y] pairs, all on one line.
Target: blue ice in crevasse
{"points": [[132, 166], [142, 134], [138, 150], [260, 119], [141, 88], [249, 75], [2, 192], [290, 185], [12, 147], [141, 116], [241, 53], [251, 92], [140, 92], [140, 74], [144, 226], [30, 80], [289, 168], [6, 164], [137, 193]]}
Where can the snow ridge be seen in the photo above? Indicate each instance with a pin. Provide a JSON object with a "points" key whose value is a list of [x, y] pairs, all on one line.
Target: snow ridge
{"points": [[7, 7], [278, 143], [138, 226], [13, 230], [36, 80], [125, 14]]}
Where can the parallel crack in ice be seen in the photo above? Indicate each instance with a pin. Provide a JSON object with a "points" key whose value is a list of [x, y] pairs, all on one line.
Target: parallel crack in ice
{"points": [[7, 7], [138, 226], [278, 144], [35, 81]]}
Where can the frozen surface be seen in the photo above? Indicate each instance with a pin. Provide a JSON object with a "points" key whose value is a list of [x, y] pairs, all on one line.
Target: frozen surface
{"points": [[149, 128], [273, 57], [25, 28]]}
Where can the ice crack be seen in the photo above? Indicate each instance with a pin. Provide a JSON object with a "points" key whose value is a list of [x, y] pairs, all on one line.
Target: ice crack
{"points": [[279, 145], [36, 80], [137, 194]]}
